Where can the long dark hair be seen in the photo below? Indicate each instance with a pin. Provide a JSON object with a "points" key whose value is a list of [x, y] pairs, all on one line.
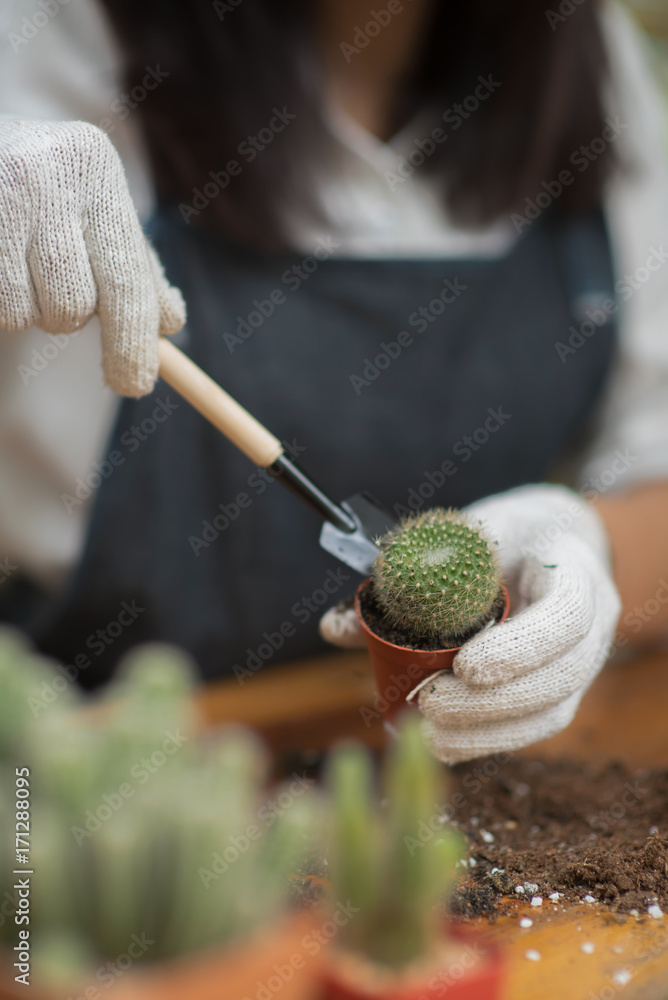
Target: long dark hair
{"points": [[227, 65]]}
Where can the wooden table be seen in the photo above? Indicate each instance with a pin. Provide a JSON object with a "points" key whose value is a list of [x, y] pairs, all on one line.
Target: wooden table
{"points": [[313, 703]]}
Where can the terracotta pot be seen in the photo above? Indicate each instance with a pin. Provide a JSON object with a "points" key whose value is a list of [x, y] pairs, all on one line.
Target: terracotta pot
{"points": [[274, 960], [465, 973], [397, 669]]}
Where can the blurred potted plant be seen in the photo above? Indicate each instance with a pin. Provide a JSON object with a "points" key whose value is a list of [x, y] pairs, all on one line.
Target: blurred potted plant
{"points": [[394, 865], [434, 585], [153, 874]]}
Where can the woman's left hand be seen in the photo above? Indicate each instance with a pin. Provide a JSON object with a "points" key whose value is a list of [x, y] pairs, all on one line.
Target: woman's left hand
{"points": [[522, 681]]}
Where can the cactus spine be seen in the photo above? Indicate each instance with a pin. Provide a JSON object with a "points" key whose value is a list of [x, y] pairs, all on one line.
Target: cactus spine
{"points": [[437, 576], [382, 861]]}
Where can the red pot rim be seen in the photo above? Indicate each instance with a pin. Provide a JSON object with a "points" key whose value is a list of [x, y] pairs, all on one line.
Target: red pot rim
{"points": [[408, 649], [484, 982]]}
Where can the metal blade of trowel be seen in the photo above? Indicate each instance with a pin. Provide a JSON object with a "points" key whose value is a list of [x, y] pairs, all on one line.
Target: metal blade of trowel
{"points": [[358, 549], [351, 528]]}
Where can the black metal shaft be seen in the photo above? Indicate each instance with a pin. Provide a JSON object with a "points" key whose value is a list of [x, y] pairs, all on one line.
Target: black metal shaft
{"points": [[298, 482]]}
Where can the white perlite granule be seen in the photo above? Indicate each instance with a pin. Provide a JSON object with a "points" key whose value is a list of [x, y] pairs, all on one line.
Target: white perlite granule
{"points": [[526, 922], [554, 896], [587, 947], [536, 900], [519, 888], [622, 977], [487, 836], [589, 899], [655, 911], [531, 887], [533, 956]]}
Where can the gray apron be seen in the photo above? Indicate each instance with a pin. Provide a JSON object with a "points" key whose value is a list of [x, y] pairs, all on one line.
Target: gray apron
{"points": [[427, 382]]}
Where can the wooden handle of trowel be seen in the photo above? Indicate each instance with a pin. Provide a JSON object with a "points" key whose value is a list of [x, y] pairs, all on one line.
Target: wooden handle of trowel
{"points": [[245, 431], [217, 406]]}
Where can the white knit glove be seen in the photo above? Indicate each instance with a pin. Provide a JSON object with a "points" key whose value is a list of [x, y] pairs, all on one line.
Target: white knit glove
{"points": [[522, 681], [71, 245]]}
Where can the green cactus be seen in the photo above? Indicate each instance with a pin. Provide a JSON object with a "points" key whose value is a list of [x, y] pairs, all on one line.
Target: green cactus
{"points": [[111, 865], [394, 865], [29, 684], [437, 576], [188, 857]]}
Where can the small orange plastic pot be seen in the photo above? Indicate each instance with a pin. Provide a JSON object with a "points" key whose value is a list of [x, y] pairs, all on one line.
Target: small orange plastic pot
{"points": [[471, 974], [399, 670]]}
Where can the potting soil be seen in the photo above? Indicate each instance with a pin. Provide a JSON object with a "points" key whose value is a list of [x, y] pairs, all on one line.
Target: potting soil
{"points": [[594, 834]]}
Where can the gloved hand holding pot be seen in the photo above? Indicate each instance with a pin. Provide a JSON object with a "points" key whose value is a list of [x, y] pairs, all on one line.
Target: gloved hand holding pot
{"points": [[493, 620]]}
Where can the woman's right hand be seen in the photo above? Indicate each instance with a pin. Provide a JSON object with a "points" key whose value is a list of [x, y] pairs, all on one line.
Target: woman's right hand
{"points": [[71, 245]]}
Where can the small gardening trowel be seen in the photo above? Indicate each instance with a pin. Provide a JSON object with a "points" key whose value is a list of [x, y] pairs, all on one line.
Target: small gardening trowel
{"points": [[351, 527]]}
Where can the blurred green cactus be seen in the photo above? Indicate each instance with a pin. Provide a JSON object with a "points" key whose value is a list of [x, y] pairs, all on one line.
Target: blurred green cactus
{"points": [[141, 828], [138, 826], [437, 576], [26, 680], [392, 863]]}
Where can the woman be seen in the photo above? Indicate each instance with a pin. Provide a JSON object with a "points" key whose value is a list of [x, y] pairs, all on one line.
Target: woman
{"points": [[391, 230]]}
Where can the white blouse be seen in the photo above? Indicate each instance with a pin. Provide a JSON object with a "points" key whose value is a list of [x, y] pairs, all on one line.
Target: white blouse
{"points": [[55, 412]]}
